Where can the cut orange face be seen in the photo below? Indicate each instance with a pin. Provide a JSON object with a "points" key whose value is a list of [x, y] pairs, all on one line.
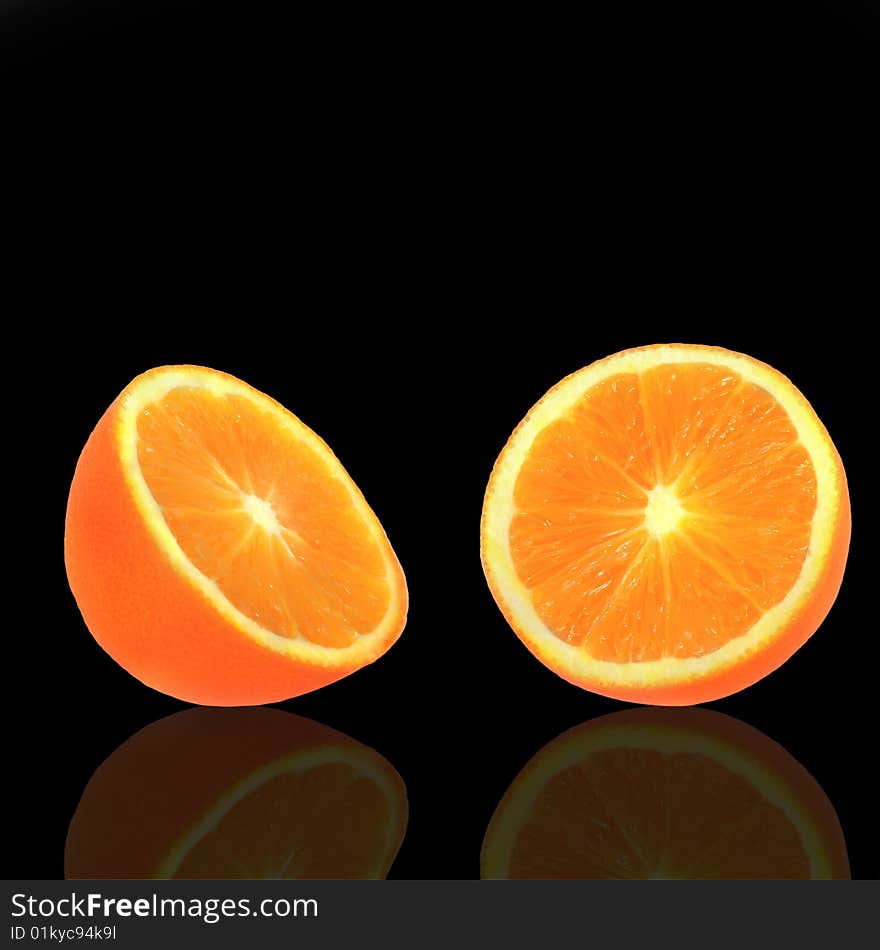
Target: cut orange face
{"points": [[664, 793], [219, 551], [238, 793], [667, 525]]}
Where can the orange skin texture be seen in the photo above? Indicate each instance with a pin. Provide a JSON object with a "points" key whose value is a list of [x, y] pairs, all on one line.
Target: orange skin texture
{"points": [[720, 683], [147, 616], [753, 745], [163, 779]]}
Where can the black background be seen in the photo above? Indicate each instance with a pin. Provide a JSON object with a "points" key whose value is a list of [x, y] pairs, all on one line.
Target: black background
{"points": [[407, 254]]}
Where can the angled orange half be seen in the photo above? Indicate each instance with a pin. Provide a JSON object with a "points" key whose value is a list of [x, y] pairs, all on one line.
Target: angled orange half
{"points": [[238, 793], [219, 551], [667, 525], [664, 793]]}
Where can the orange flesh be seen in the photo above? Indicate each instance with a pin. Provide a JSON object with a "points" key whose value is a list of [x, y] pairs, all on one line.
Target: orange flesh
{"points": [[326, 822], [600, 575], [640, 813], [257, 510]]}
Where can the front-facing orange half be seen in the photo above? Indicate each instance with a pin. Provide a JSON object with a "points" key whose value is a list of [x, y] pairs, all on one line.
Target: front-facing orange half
{"points": [[219, 551], [667, 525]]}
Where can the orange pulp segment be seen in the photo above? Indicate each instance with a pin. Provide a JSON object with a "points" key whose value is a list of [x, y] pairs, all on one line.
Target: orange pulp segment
{"points": [[276, 531], [688, 539]]}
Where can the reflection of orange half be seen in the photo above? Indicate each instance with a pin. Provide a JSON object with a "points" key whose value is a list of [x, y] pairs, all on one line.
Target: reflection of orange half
{"points": [[664, 793], [238, 793]]}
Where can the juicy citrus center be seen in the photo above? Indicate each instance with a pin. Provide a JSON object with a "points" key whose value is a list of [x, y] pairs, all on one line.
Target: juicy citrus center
{"points": [[263, 514], [664, 512]]}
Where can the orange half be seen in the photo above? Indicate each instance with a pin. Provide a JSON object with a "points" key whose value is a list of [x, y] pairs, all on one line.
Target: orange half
{"points": [[219, 551], [664, 793], [667, 525]]}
